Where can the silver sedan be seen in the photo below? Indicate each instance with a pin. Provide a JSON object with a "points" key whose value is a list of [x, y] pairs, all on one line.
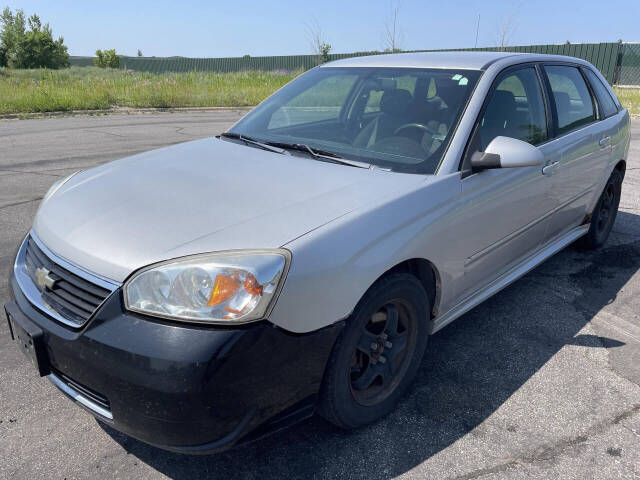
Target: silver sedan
{"points": [[201, 295]]}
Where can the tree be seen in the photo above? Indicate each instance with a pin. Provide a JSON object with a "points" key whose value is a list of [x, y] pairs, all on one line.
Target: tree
{"points": [[107, 59], [13, 30], [38, 49], [139, 53], [325, 48], [29, 48], [392, 32], [505, 31], [319, 46]]}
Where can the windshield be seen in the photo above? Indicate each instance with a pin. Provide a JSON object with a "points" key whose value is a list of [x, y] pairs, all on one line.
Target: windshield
{"points": [[396, 118]]}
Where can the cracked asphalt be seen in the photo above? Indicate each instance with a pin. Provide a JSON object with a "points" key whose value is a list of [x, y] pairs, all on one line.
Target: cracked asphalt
{"points": [[540, 381]]}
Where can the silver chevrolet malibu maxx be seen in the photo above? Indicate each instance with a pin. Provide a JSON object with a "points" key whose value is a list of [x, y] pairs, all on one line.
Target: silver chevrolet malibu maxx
{"points": [[205, 294]]}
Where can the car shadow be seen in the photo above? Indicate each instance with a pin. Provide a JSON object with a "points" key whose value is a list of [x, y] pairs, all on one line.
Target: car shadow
{"points": [[471, 368]]}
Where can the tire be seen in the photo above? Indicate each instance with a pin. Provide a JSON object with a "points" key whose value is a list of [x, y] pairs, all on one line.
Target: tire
{"points": [[362, 383], [604, 214]]}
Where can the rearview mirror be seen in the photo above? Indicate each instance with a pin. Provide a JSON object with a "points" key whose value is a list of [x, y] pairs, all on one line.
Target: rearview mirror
{"points": [[506, 152]]}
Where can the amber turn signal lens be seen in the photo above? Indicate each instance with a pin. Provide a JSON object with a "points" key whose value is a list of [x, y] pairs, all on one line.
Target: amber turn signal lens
{"points": [[252, 286], [224, 288]]}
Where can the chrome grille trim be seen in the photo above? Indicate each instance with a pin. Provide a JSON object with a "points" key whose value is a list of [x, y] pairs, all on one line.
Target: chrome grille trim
{"points": [[35, 296], [79, 397]]}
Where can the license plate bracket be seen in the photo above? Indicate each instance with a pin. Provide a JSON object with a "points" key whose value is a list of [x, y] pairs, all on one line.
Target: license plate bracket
{"points": [[30, 339]]}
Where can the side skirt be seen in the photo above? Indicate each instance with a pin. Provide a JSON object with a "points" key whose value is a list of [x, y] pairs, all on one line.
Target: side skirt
{"points": [[508, 277]]}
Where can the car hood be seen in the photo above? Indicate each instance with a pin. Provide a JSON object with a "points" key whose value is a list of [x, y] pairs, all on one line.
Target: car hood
{"points": [[202, 196]]}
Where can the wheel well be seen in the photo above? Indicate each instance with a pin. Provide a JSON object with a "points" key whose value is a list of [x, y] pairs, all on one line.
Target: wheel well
{"points": [[621, 167], [424, 271]]}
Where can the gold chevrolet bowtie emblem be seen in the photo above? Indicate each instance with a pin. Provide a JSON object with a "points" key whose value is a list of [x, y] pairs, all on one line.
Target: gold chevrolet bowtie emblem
{"points": [[43, 278]]}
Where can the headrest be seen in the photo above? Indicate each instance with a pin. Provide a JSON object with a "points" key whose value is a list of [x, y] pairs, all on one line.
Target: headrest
{"points": [[450, 93], [395, 102], [501, 108], [563, 101], [505, 99]]}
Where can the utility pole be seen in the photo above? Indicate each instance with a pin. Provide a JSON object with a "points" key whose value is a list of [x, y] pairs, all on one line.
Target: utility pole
{"points": [[477, 30]]}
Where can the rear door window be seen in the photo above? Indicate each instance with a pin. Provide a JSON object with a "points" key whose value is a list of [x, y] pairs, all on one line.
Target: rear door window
{"points": [[571, 97], [607, 105]]}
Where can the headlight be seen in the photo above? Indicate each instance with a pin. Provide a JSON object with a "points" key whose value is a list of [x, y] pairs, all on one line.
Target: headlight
{"points": [[222, 288], [56, 186]]}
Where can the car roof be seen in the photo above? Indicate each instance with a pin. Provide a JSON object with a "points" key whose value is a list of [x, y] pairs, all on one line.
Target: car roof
{"points": [[456, 59]]}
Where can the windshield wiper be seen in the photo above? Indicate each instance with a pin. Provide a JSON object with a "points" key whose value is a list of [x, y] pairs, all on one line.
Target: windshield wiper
{"points": [[253, 141], [318, 153]]}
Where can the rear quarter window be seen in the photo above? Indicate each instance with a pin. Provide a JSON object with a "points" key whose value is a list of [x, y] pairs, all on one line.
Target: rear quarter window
{"points": [[607, 105]]}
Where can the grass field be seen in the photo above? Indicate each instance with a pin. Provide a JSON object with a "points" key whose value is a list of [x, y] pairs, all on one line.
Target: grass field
{"points": [[89, 88], [630, 98]]}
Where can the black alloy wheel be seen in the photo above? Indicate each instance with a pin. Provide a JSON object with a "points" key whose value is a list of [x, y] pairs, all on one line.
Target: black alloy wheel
{"points": [[604, 214], [383, 352], [608, 208], [378, 353]]}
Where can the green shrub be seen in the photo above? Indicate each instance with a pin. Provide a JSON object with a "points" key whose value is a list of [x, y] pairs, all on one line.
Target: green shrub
{"points": [[325, 48], [107, 59], [29, 48]]}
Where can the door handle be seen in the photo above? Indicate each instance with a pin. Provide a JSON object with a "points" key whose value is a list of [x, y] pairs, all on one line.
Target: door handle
{"points": [[548, 169], [605, 141]]}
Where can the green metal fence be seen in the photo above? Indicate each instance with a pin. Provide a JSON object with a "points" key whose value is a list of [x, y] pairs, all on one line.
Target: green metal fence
{"points": [[619, 63], [81, 61], [629, 69], [602, 55]]}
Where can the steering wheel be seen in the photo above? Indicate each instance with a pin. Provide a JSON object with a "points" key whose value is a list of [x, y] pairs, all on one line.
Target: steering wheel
{"points": [[420, 126], [402, 146]]}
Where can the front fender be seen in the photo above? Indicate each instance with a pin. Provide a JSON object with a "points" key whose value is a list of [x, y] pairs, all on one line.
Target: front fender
{"points": [[333, 266]]}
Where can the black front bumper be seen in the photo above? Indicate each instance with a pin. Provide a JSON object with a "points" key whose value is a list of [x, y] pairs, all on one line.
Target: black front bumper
{"points": [[181, 387]]}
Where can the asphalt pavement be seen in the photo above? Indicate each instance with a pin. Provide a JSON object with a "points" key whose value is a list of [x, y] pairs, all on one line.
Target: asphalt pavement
{"points": [[540, 381]]}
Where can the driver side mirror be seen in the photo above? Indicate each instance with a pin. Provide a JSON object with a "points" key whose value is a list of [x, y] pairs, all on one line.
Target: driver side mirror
{"points": [[507, 152]]}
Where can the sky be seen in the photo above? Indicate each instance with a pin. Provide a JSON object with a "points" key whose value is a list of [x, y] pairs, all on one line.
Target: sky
{"points": [[238, 27]]}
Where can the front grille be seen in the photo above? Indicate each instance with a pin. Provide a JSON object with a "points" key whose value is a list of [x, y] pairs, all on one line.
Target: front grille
{"points": [[73, 297], [86, 392]]}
